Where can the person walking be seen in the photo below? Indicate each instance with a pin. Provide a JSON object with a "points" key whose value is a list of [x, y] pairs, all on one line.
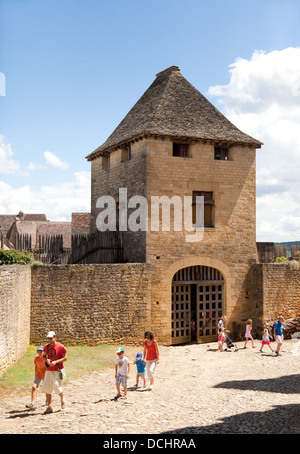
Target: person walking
{"points": [[40, 369], [150, 356], [141, 369], [278, 334], [122, 370], [266, 340], [55, 354], [221, 323], [248, 334], [221, 339]]}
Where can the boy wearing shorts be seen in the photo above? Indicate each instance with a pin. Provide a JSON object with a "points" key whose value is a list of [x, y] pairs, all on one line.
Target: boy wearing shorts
{"points": [[141, 369], [122, 369], [40, 369]]}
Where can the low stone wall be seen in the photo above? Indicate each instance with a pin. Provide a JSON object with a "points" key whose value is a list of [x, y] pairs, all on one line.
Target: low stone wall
{"points": [[91, 304], [15, 295], [111, 303], [281, 290]]}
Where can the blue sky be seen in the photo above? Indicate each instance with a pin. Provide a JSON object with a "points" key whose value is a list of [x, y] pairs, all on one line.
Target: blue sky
{"points": [[73, 69]]}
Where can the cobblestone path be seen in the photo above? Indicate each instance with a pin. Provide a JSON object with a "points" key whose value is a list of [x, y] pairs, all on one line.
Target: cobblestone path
{"points": [[198, 390]]}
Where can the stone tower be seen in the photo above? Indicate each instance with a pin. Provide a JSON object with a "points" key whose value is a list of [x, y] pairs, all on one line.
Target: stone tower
{"points": [[175, 143]]}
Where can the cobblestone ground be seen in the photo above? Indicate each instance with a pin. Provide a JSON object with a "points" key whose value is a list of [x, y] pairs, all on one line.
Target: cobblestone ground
{"points": [[198, 390]]}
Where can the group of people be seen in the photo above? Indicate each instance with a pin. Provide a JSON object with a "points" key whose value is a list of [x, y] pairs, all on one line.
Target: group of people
{"points": [[277, 335], [145, 361], [49, 362], [49, 368]]}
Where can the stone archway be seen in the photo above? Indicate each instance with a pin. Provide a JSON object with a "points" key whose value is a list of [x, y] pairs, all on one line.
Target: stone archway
{"points": [[161, 292], [198, 302]]}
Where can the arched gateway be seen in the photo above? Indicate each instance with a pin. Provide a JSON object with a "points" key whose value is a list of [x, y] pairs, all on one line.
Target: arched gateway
{"points": [[197, 304]]}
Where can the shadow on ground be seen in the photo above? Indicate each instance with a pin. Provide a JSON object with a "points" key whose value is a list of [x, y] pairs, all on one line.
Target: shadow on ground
{"points": [[285, 385], [283, 419]]}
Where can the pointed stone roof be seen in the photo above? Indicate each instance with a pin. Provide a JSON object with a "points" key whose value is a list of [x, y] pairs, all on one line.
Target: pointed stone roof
{"points": [[171, 106]]}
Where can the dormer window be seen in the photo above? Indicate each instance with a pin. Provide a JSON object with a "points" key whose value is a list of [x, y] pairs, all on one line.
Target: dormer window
{"points": [[181, 150], [221, 153]]}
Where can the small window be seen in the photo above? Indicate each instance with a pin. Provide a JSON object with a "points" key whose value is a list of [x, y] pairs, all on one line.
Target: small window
{"points": [[181, 150], [126, 153], [221, 154], [209, 208], [105, 162]]}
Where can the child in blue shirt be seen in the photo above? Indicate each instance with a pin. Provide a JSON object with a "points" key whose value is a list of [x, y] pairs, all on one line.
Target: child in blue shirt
{"points": [[141, 369]]}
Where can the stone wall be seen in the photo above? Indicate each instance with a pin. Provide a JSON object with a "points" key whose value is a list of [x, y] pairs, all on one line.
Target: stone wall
{"points": [[91, 304], [15, 291], [229, 246], [281, 290], [129, 174], [113, 303]]}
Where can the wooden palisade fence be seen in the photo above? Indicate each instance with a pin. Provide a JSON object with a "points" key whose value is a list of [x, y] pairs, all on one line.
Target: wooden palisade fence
{"points": [[99, 247]]}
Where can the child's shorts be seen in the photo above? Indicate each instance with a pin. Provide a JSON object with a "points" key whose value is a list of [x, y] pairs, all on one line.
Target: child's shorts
{"points": [[141, 374], [37, 381], [266, 342], [121, 380]]}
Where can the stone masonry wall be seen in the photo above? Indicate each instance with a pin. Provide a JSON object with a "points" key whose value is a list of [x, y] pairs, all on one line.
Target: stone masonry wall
{"points": [[281, 291], [229, 246], [91, 304], [129, 174], [15, 289], [111, 303]]}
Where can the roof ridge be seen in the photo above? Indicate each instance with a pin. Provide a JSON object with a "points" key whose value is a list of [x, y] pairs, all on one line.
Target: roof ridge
{"points": [[160, 103]]}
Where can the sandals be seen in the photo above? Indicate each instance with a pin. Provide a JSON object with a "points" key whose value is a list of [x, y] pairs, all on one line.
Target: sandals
{"points": [[30, 406]]}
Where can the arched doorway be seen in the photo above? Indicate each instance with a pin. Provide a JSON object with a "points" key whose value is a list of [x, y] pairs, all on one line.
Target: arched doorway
{"points": [[197, 304]]}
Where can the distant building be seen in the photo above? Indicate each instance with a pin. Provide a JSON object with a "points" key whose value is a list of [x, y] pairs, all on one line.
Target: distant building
{"points": [[37, 225], [81, 223]]}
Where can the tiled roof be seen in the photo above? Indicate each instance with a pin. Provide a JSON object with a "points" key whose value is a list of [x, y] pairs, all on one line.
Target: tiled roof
{"points": [[171, 106]]}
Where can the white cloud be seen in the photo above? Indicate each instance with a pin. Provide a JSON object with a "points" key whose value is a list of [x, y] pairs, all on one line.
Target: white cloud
{"points": [[263, 100], [48, 199], [32, 166], [8, 165], [55, 161]]}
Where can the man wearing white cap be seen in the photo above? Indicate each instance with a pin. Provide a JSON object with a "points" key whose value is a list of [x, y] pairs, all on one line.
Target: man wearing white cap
{"points": [[56, 354]]}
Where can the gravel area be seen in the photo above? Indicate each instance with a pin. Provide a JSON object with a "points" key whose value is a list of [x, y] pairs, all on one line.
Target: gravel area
{"points": [[198, 390]]}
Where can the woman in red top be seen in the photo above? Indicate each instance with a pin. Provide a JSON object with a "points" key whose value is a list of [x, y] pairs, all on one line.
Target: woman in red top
{"points": [[151, 355]]}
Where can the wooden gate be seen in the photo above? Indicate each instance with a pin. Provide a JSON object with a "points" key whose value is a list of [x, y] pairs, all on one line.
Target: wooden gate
{"points": [[197, 298], [181, 314], [210, 297]]}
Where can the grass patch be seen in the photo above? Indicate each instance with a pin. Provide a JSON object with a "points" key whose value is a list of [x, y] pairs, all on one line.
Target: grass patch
{"points": [[81, 360]]}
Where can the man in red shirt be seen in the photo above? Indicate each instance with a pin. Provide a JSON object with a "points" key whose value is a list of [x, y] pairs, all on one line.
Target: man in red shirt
{"points": [[56, 354]]}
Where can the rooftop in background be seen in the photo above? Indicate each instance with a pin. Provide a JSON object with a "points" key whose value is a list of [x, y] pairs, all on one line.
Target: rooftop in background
{"points": [[171, 106], [7, 220]]}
